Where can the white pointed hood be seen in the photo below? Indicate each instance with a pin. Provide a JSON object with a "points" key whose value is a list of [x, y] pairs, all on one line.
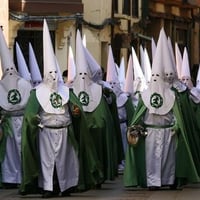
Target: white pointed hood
{"points": [[94, 67], [153, 48], [47, 92], [112, 79], [14, 89], [198, 79], [6, 58], [128, 86], [71, 73], [21, 63], [147, 66], [185, 70], [142, 58], [179, 60], [88, 92], [195, 91], [63, 89], [170, 66], [121, 73], [139, 79], [159, 98], [34, 68]]}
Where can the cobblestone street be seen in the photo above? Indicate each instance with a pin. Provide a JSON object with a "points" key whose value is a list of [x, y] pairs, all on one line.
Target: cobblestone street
{"points": [[113, 190]]}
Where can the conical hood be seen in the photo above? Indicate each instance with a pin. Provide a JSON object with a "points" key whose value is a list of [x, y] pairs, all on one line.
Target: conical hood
{"points": [[142, 57], [88, 92], [171, 52], [170, 71], [81, 62], [128, 86], [71, 67], [153, 48], [60, 78], [139, 79], [48, 52], [21, 63], [162, 60], [198, 79], [84, 40], [111, 75], [6, 59], [94, 67], [159, 98], [34, 68], [121, 73], [147, 66], [179, 60], [185, 69]]}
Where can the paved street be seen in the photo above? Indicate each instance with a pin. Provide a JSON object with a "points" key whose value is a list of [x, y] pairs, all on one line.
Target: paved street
{"points": [[113, 190]]}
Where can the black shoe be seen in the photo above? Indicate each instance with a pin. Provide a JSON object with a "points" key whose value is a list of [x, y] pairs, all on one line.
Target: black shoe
{"points": [[153, 188], [66, 193], [47, 194], [9, 185]]}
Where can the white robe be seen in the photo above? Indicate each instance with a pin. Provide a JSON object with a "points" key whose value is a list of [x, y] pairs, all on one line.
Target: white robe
{"points": [[160, 150], [11, 165], [56, 150]]}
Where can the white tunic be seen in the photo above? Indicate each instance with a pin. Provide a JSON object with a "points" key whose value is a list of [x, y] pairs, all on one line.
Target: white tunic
{"points": [[56, 150], [160, 150]]}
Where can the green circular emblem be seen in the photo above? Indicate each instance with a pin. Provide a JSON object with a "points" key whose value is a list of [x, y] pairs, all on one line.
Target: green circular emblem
{"points": [[14, 96], [83, 98], [156, 100], [56, 100]]}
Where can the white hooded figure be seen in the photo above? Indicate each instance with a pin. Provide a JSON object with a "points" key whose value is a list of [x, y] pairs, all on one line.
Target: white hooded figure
{"points": [[195, 91], [178, 60], [139, 79], [88, 91], [171, 72], [185, 70], [147, 67], [15, 92], [121, 73], [159, 120], [71, 68], [56, 152], [34, 67], [121, 98], [129, 84], [21, 63]]}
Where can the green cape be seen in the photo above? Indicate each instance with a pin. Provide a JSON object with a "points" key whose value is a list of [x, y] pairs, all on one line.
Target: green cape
{"points": [[90, 171], [135, 169]]}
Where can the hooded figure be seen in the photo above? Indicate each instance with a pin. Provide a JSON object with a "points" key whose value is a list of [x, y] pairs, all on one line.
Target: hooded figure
{"points": [[195, 91], [124, 102], [21, 63], [48, 120], [15, 92], [157, 159], [99, 118], [34, 68], [185, 70]]}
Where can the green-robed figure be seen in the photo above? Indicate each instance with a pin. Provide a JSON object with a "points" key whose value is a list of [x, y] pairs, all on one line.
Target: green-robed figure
{"points": [[162, 154], [56, 152]]}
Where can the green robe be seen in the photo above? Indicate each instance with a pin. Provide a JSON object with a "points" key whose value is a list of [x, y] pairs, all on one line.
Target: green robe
{"points": [[114, 112], [135, 169], [190, 119], [102, 129], [90, 171]]}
